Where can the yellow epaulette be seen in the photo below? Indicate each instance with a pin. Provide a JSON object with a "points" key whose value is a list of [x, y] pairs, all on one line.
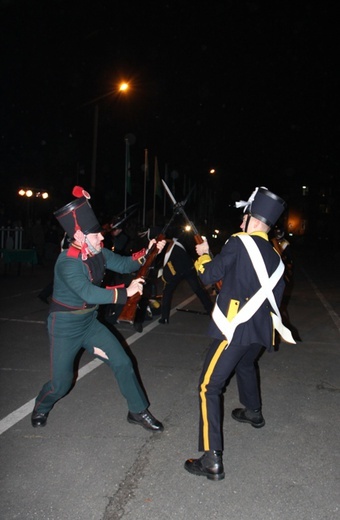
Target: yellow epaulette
{"points": [[199, 264]]}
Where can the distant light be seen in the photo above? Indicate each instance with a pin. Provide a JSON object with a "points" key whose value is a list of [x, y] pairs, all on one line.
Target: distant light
{"points": [[123, 87], [216, 231], [23, 192], [187, 228], [212, 171]]}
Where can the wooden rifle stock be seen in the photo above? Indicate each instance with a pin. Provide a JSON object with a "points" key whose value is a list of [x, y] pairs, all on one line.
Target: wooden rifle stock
{"points": [[129, 310], [198, 239]]}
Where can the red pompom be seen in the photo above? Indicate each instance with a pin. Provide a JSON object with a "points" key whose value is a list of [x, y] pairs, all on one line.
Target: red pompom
{"points": [[78, 192]]}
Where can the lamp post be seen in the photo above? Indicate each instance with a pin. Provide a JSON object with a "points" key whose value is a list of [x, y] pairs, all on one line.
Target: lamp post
{"points": [[122, 88]]}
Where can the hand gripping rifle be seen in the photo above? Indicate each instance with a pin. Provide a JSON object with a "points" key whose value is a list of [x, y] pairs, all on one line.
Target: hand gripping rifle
{"points": [[129, 310], [178, 208]]}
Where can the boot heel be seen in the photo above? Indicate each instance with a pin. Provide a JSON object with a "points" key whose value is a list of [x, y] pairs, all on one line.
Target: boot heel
{"points": [[219, 476]]}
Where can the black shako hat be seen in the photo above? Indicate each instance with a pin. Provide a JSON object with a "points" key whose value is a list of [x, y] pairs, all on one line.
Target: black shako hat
{"points": [[78, 214], [263, 205]]}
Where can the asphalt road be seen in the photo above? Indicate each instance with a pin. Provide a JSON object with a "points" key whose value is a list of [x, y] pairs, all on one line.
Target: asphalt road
{"points": [[89, 463]]}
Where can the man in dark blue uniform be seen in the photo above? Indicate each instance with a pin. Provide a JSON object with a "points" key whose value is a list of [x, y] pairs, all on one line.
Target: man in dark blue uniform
{"points": [[244, 320], [72, 320]]}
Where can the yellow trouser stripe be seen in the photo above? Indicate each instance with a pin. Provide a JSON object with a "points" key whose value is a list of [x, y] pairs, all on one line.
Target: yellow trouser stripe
{"points": [[203, 391]]}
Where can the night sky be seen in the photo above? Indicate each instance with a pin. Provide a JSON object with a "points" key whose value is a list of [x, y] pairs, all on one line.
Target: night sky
{"points": [[246, 87]]}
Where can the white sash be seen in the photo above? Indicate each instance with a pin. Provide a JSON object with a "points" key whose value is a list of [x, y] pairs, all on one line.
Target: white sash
{"points": [[265, 292], [168, 253]]}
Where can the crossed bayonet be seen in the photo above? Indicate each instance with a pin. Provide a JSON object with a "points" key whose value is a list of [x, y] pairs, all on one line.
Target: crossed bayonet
{"points": [[178, 207]]}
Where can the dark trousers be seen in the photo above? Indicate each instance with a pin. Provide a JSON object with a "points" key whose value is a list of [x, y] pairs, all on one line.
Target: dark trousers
{"points": [[193, 280], [218, 367], [69, 333]]}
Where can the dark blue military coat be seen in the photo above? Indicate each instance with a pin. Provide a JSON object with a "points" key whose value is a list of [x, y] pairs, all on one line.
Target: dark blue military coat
{"points": [[234, 268]]}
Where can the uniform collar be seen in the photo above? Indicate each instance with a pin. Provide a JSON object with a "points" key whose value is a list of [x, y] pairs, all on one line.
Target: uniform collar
{"points": [[261, 234]]}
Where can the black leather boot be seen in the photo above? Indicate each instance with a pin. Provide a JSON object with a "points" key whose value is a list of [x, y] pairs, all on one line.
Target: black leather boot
{"points": [[210, 465], [38, 419], [145, 419], [253, 417]]}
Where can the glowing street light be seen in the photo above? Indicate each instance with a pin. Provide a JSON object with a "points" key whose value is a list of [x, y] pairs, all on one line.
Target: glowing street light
{"points": [[123, 87], [33, 192]]}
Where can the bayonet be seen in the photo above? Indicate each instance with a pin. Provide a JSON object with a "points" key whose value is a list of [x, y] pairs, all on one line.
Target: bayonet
{"points": [[178, 208]]}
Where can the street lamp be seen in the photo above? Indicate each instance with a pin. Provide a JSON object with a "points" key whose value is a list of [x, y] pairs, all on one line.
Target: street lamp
{"points": [[122, 87], [32, 193]]}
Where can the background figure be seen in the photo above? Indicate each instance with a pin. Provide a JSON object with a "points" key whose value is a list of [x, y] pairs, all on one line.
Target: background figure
{"points": [[284, 249], [147, 305], [178, 266], [116, 240]]}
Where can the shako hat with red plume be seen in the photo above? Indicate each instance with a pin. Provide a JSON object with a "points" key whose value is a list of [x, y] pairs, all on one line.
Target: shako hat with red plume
{"points": [[78, 214]]}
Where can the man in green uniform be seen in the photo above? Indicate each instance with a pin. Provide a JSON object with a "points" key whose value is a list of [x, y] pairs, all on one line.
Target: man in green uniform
{"points": [[72, 320]]}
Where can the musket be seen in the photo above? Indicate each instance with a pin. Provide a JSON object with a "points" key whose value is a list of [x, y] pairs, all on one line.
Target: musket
{"points": [[178, 207], [128, 313], [125, 214], [121, 218]]}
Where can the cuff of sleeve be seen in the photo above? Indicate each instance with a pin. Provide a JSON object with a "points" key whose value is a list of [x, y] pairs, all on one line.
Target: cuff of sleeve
{"points": [[140, 254], [120, 296], [199, 264], [119, 293]]}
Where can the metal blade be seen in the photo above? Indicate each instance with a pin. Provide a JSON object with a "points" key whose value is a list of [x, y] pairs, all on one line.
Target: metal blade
{"points": [[127, 211], [124, 218], [178, 206], [169, 192]]}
